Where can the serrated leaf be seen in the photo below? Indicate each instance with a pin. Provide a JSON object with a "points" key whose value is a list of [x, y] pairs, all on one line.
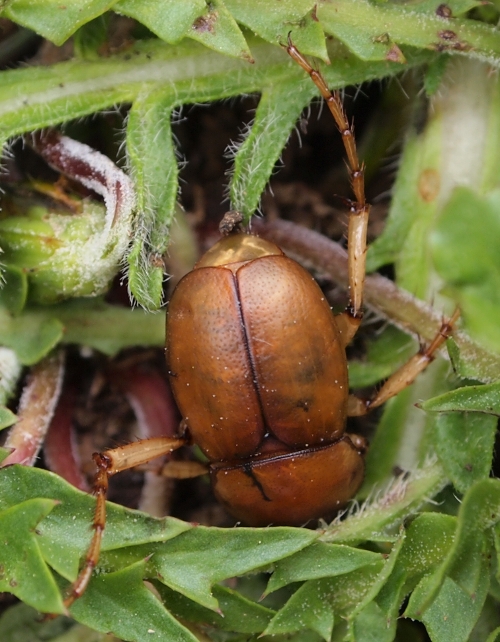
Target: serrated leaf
{"points": [[120, 603], [213, 555], [373, 30], [308, 608], [52, 19], [464, 444], [428, 541], [169, 20], [217, 29], [274, 24], [485, 399], [64, 535], [379, 583], [236, 613], [23, 570], [479, 511], [38, 97], [317, 561], [344, 592]]}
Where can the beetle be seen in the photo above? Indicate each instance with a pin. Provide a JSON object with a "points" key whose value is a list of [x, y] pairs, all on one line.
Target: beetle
{"points": [[257, 364], [259, 373]]}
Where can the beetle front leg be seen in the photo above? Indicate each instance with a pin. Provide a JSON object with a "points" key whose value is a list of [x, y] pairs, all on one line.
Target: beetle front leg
{"points": [[109, 463], [406, 375]]}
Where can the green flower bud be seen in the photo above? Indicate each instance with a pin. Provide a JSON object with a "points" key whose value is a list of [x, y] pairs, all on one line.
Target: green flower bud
{"points": [[66, 253]]}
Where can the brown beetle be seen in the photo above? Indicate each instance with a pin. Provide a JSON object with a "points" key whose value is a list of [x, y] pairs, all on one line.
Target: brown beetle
{"points": [[259, 373], [258, 368]]}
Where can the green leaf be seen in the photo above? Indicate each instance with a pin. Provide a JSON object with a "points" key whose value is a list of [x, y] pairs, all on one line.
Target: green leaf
{"points": [[429, 538], [214, 554], [463, 564], [377, 519], [466, 257], [218, 30], [52, 19], [308, 608], [494, 635], [464, 444], [7, 417], [64, 535], [37, 97], [31, 337], [274, 26], [344, 592], [385, 446], [379, 583], [279, 108], [236, 613], [14, 293], [169, 20], [317, 561], [385, 355], [90, 322], [91, 38], [153, 166], [484, 399], [120, 603], [371, 625], [434, 76], [371, 30], [23, 569], [411, 215], [453, 614]]}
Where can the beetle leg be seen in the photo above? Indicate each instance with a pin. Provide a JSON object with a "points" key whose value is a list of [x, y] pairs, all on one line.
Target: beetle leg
{"points": [[108, 463], [406, 374], [359, 208], [183, 469], [347, 326]]}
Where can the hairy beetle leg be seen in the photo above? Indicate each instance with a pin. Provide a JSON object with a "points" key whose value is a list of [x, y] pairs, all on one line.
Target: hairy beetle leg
{"points": [[406, 375], [109, 463]]}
